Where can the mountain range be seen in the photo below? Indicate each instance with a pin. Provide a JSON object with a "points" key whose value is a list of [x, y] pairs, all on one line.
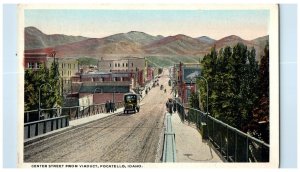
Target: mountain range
{"points": [[133, 43]]}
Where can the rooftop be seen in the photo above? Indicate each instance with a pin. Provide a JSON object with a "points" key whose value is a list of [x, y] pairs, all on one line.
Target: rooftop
{"points": [[104, 89]]}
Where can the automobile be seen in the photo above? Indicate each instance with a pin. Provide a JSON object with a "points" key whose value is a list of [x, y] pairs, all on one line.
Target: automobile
{"points": [[131, 102]]}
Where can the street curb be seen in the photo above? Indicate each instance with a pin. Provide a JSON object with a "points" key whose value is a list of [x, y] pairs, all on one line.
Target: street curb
{"points": [[63, 130]]}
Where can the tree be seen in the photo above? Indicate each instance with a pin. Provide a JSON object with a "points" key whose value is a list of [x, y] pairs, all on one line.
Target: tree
{"points": [[232, 76], [208, 71], [259, 125], [34, 79], [194, 100]]}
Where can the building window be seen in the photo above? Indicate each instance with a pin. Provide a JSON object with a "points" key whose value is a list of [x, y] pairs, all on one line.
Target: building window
{"points": [[126, 64], [109, 64], [123, 64], [131, 64], [62, 65], [118, 64], [115, 64], [30, 65], [38, 65], [62, 73]]}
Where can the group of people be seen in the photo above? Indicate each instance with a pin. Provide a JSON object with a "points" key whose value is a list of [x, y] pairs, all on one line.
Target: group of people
{"points": [[110, 106], [171, 106]]}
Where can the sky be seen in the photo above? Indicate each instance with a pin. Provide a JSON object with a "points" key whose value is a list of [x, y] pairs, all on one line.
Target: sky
{"points": [[248, 24]]}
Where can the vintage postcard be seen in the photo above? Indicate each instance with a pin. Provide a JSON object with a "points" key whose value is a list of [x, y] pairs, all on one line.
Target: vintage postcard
{"points": [[148, 85]]}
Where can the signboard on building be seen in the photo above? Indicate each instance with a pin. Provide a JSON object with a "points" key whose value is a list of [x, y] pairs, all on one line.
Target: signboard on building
{"points": [[190, 73]]}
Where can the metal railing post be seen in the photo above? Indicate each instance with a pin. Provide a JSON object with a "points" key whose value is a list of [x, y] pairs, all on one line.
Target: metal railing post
{"points": [[235, 147], [28, 134], [44, 129], [27, 116], [221, 145], [247, 153], [213, 129], [227, 143]]}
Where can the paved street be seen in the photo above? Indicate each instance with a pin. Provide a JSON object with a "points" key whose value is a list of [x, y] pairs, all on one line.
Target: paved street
{"points": [[118, 138]]}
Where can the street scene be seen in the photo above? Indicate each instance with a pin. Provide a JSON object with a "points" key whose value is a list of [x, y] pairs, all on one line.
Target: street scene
{"points": [[122, 137], [120, 92]]}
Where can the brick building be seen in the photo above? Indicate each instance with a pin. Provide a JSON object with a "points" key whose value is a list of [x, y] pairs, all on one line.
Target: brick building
{"points": [[104, 86], [185, 74], [33, 59], [67, 67], [105, 92]]}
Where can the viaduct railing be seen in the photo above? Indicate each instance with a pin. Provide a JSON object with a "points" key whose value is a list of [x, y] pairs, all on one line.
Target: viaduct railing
{"points": [[32, 129], [169, 149], [55, 118], [73, 112], [233, 144]]}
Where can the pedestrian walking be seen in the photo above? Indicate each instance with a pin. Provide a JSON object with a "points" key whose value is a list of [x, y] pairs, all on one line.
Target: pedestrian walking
{"points": [[110, 106], [174, 106], [113, 107], [107, 107], [169, 106]]}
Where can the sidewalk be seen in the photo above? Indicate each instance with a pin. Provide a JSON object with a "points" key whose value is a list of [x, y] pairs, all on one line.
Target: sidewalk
{"points": [[87, 119], [189, 144]]}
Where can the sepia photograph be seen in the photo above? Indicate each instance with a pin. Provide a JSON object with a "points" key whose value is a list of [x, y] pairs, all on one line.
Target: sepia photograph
{"points": [[148, 85]]}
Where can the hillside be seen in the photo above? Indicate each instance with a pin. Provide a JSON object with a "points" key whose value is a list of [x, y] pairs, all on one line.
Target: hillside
{"points": [[165, 50], [206, 40], [35, 39], [176, 45], [133, 36]]}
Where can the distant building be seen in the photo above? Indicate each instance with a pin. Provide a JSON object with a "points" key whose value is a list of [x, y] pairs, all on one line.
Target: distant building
{"points": [[149, 74], [67, 67], [33, 59], [134, 65], [103, 86], [123, 64], [105, 92]]}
